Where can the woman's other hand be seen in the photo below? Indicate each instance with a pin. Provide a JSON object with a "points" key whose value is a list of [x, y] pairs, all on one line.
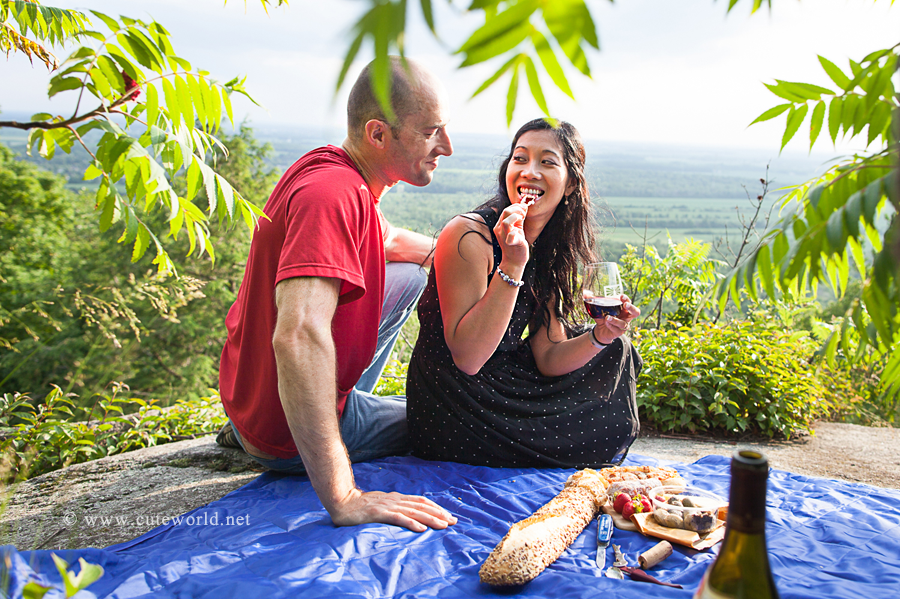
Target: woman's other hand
{"points": [[511, 236], [611, 327]]}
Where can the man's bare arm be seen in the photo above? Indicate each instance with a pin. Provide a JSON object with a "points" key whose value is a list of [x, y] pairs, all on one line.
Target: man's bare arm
{"points": [[401, 245], [307, 384]]}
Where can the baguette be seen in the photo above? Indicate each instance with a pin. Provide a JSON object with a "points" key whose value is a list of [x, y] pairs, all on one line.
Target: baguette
{"points": [[534, 543]]}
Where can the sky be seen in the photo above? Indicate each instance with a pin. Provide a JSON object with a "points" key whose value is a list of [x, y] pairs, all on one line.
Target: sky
{"points": [[674, 73]]}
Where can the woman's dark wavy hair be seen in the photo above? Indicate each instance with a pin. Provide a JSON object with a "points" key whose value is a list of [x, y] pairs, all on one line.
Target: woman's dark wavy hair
{"points": [[568, 238]]}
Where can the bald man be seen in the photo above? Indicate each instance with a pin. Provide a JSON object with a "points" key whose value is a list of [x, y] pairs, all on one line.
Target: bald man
{"points": [[318, 310]]}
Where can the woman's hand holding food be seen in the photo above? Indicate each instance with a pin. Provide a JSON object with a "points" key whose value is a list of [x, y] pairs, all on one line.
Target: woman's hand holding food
{"points": [[511, 236], [610, 327]]}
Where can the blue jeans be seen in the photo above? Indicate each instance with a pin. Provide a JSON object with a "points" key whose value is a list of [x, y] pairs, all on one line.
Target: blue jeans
{"points": [[373, 426]]}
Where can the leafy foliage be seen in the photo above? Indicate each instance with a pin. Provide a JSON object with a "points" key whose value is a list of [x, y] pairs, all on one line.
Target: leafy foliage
{"points": [[684, 276], [830, 221], [170, 130], [75, 312], [518, 29], [42, 436], [26, 26], [741, 377]]}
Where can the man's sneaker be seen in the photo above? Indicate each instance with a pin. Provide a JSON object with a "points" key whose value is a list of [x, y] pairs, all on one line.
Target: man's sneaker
{"points": [[227, 438]]}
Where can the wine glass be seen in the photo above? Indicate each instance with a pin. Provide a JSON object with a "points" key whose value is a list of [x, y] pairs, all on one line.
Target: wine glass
{"points": [[602, 289]]}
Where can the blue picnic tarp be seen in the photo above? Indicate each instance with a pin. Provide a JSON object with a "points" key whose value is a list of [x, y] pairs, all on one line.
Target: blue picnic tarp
{"points": [[826, 539]]}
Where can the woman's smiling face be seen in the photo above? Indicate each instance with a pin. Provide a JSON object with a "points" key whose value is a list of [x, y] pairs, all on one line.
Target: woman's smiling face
{"points": [[536, 173]]}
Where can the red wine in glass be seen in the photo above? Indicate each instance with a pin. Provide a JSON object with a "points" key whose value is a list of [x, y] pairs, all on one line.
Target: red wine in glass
{"points": [[601, 288], [598, 307]]}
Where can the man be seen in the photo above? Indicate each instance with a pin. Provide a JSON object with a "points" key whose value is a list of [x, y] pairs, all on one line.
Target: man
{"points": [[304, 346]]}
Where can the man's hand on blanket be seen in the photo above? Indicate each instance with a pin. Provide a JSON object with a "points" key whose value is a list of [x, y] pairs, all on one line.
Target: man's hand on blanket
{"points": [[409, 511]]}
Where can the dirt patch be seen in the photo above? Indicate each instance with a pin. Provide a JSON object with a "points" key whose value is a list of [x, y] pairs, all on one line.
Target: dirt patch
{"points": [[841, 451]]}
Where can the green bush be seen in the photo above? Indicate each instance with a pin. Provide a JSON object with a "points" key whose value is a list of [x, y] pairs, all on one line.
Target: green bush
{"points": [[740, 377], [38, 437]]}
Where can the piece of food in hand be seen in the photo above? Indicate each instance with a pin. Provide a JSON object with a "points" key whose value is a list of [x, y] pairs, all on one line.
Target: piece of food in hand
{"points": [[534, 543], [620, 501]]}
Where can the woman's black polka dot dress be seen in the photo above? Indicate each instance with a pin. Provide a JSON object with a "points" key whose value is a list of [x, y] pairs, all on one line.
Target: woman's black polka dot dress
{"points": [[509, 414]]}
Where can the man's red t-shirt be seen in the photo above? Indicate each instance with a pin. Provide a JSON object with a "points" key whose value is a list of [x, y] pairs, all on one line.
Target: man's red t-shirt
{"points": [[324, 223]]}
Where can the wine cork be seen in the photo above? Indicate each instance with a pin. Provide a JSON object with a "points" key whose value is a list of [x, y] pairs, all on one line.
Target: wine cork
{"points": [[655, 554]]}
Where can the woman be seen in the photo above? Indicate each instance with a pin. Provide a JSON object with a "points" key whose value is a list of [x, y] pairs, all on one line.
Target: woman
{"points": [[476, 391]]}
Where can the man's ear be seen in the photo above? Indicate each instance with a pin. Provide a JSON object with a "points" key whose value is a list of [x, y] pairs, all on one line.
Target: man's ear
{"points": [[377, 133]]}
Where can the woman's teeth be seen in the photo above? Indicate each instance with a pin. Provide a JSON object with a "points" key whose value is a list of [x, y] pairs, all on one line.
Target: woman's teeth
{"points": [[529, 195]]}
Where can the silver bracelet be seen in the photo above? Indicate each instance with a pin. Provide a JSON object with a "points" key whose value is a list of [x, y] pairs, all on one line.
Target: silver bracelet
{"points": [[594, 340], [508, 279]]}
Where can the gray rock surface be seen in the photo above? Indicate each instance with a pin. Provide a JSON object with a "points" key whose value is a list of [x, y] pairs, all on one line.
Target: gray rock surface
{"points": [[118, 498]]}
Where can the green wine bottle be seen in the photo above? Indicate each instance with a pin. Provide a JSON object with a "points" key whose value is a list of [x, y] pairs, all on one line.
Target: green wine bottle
{"points": [[741, 570]]}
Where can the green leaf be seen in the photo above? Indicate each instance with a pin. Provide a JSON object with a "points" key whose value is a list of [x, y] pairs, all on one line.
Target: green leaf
{"points": [[141, 243], [512, 18], [226, 195], [511, 94], [838, 76], [490, 80], [771, 113], [172, 106], [33, 590], [535, 85], [428, 15], [193, 180], [111, 73], [184, 101], [227, 102], [834, 231], [497, 46], [551, 64], [156, 59], [197, 99], [61, 84], [782, 92], [100, 83], [152, 104], [111, 23], [815, 122], [834, 118], [794, 120], [348, 60], [879, 122], [871, 199], [848, 111], [764, 267], [123, 61], [570, 23]]}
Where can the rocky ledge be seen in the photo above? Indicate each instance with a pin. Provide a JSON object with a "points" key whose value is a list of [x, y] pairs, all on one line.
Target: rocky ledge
{"points": [[115, 499]]}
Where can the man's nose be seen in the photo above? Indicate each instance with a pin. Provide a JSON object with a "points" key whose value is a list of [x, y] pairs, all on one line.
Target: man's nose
{"points": [[445, 146]]}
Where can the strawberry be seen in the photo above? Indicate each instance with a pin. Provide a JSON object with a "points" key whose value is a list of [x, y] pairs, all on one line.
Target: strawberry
{"points": [[620, 501], [637, 505]]}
